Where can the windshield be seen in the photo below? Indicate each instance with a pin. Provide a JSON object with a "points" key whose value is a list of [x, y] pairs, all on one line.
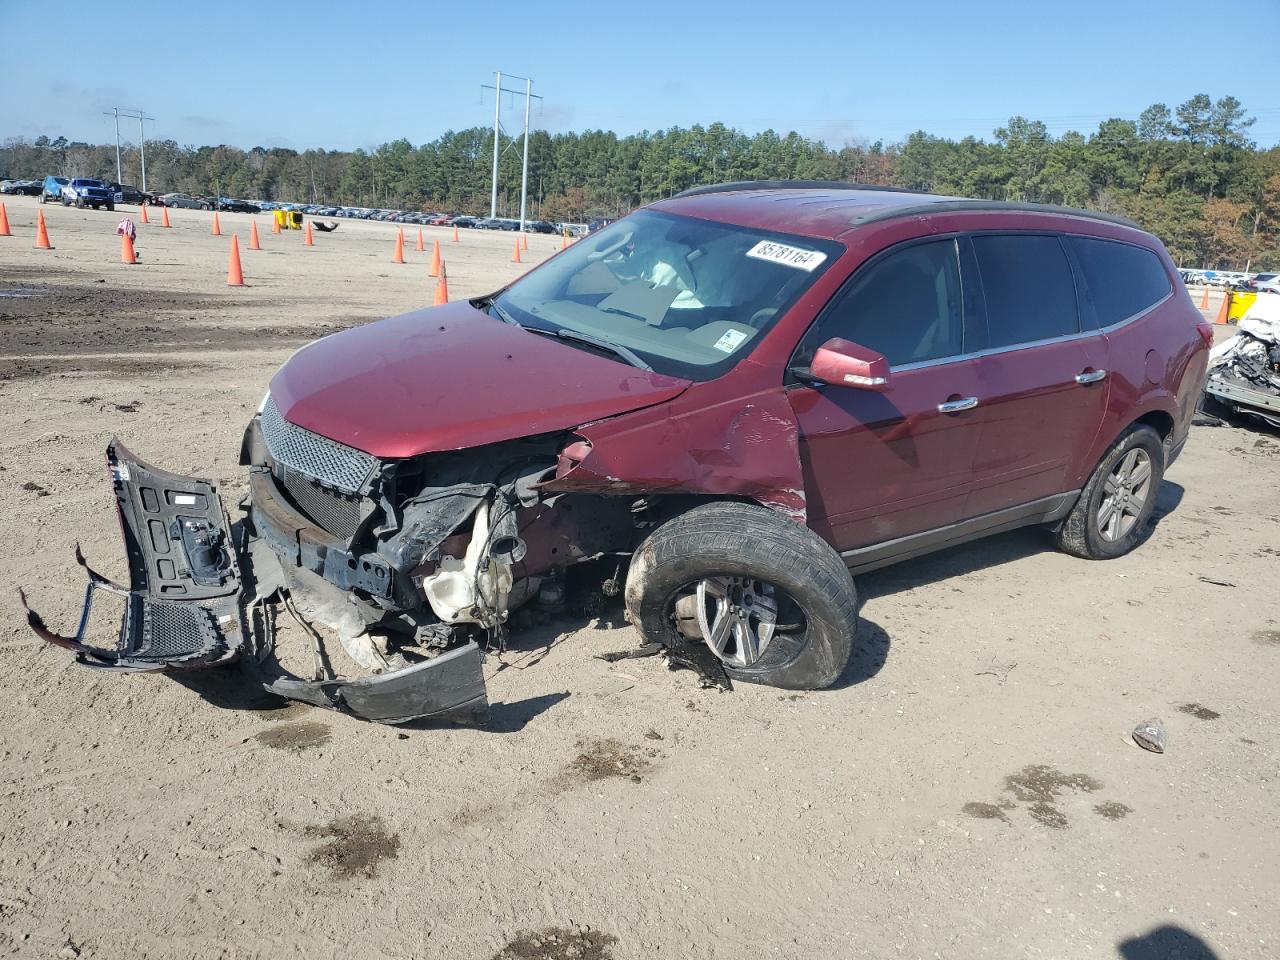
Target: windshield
{"points": [[86, 183], [689, 297]]}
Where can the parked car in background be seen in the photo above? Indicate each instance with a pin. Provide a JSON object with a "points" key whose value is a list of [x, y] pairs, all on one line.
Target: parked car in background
{"points": [[738, 397], [124, 193], [463, 222], [440, 220], [539, 226], [25, 188], [1259, 280], [183, 200], [51, 190], [599, 223], [237, 206], [86, 192]]}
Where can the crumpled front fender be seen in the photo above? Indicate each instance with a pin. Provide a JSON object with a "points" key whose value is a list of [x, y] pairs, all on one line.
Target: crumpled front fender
{"points": [[745, 447]]}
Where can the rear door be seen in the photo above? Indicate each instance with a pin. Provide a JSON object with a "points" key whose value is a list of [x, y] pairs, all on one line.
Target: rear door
{"points": [[1043, 372], [879, 466]]}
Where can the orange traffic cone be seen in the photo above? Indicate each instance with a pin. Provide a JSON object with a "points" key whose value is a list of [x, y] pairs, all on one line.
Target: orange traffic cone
{"points": [[310, 241], [421, 245], [144, 212], [235, 276], [126, 249], [515, 253], [164, 217], [435, 259], [399, 254], [217, 227], [42, 233], [442, 288], [455, 234], [524, 241], [4, 222], [253, 236], [564, 242], [1204, 299], [275, 225], [1224, 312]]}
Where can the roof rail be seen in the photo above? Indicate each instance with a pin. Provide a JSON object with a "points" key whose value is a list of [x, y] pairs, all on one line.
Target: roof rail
{"points": [[940, 205], [999, 206], [739, 185]]}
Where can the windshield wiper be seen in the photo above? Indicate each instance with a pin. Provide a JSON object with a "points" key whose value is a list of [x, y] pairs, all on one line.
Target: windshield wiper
{"points": [[623, 353], [492, 304]]}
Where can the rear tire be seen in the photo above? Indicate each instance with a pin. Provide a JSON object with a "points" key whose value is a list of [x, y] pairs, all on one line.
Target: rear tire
{"points": [[785, 564], [1114, 510]]}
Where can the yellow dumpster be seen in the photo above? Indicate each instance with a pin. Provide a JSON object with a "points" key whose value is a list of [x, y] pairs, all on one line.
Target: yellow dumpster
{"points": [[1241, 301]]}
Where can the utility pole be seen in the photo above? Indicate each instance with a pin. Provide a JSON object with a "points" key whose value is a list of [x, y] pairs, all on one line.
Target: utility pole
{"points": [[524, 170], [529, 96], [117, 112], [497, 125]]}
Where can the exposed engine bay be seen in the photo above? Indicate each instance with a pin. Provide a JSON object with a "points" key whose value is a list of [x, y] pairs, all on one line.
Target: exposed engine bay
{"points": [[1244, 372]]}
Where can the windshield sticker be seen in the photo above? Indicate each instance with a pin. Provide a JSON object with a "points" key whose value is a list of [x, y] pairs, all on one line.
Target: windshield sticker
{"points": [[797, 257], [730, 341]]}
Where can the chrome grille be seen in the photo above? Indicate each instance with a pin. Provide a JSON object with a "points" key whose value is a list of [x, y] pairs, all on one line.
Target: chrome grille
{"points": [[333, 464]]}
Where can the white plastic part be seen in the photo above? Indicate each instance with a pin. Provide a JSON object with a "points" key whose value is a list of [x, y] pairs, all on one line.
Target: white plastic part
{"points": [[460, 592]]}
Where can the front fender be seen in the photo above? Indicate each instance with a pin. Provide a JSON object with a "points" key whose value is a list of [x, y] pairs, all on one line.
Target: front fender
{"points": [[746, 447]]}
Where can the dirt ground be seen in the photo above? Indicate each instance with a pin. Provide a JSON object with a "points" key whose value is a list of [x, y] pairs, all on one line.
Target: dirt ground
{"points": [[967, 790]]}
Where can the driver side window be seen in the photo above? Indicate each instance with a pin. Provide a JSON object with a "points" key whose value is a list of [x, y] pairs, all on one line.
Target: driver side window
{"points": [[907, 306]]}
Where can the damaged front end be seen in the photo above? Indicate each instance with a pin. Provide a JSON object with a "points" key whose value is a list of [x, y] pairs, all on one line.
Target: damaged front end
{"points": [[203, 592], [1244, 371]]}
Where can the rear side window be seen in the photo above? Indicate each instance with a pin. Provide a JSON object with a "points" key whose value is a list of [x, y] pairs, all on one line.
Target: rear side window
{"points": [[1028, 285], [1122, 280]]}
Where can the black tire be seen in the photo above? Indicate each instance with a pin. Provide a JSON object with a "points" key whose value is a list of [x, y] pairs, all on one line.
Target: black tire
{"points": [[746, 540], [111, 207], [44, 197], [1079, 534]]}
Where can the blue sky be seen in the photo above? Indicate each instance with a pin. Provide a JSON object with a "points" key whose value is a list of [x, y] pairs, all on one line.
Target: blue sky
{"points": [[366, 73]]}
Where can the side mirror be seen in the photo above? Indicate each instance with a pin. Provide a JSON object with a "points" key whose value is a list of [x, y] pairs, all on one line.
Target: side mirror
{"points": [[842, 363]]}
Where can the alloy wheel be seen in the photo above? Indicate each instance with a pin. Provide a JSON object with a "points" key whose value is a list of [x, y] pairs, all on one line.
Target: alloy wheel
{"points": [[737, 617], [1124, 494]]}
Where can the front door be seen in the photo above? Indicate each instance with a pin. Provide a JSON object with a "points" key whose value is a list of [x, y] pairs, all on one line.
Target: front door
{"points": [[879, 466]]}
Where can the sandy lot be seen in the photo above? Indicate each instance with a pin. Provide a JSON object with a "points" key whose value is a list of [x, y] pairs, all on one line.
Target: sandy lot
{"points": [[966, 791]]}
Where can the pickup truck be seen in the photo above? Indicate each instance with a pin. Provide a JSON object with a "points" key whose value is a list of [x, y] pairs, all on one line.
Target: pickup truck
{"points": [[84, 192], [52, 188]]}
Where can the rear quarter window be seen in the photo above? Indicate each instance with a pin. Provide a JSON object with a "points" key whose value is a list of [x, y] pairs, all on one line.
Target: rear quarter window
{"points": [[1121, 280]]}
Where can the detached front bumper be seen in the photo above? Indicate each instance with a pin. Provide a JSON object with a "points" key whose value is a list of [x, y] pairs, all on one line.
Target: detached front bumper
{"points": [[194, 592]]}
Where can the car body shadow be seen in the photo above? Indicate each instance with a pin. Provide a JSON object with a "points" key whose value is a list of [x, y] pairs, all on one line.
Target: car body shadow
{"points": [[1166, 943], [993, 551]]}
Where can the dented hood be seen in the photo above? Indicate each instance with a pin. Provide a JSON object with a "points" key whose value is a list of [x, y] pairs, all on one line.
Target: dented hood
{"points": [[453, 377]]}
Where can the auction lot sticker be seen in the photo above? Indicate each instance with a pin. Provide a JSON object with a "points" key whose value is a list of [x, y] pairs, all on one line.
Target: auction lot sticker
{"points": [[797, 257]]}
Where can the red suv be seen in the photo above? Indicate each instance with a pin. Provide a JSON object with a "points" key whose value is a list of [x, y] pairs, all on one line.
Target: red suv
{"points": [[733, 399]]}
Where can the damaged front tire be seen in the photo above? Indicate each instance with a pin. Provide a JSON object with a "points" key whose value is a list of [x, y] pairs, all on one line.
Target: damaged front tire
{"points": [[771, 600]]}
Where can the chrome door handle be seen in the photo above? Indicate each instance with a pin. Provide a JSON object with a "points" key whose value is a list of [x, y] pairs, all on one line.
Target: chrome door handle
{"points": [[1091, 376], [956, 406]]}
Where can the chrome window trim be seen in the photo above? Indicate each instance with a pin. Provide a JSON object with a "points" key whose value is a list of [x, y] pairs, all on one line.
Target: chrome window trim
{"points": [[991, 351]]}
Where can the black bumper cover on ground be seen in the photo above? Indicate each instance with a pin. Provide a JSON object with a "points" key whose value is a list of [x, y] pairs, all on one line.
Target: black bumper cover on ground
{"points": [[188, 606]]}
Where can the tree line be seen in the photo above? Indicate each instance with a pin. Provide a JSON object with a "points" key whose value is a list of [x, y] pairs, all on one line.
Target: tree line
{"points": [[1191, 175]]}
